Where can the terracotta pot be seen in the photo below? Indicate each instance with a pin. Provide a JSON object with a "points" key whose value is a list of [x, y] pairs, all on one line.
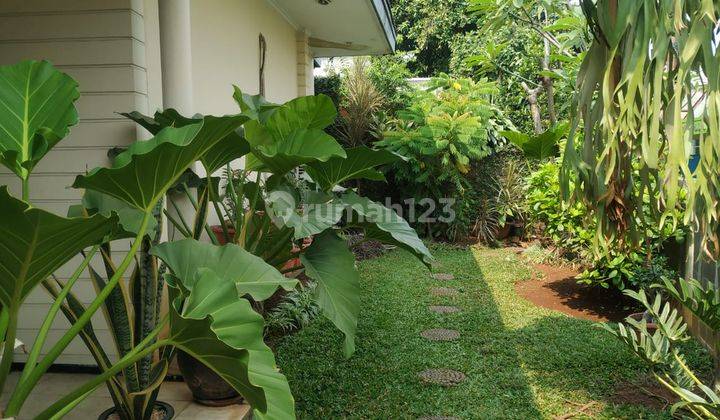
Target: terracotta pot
{"points": [[167, 409], [638, 316], [207, 387], [220, 234]]}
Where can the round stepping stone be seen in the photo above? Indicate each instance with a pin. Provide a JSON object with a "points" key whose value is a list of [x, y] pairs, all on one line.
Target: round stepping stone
{"points": [[444, 309], [444, 377], [443, 276], [443, 291], [440, 334]]}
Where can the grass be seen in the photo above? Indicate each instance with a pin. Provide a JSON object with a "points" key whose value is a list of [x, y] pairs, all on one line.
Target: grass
{"points": [[521, 361]]}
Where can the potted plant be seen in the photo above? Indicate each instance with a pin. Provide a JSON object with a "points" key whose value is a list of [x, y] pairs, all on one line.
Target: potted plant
{"points": [[292, 226], [121, 203]]}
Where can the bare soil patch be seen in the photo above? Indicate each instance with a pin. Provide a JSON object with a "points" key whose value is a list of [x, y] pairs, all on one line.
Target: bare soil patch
{"points": [[557, 289], [645, 391]]}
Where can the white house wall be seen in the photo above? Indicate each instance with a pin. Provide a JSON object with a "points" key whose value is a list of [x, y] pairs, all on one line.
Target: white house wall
{"points": [[225, 51]]}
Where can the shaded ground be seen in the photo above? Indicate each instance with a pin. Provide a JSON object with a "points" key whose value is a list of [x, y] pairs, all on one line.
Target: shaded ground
{"points": [[557, 289], [520, 361]]}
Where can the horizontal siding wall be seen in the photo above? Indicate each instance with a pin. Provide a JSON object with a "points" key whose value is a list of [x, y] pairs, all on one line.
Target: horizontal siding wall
{"points": [[100, 43]]}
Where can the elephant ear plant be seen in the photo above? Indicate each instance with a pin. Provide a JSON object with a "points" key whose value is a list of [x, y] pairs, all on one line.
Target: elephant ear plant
{"points": [[294, 226], [209, 316]]}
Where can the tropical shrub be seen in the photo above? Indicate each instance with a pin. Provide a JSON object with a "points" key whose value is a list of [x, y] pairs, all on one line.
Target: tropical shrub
{"points": [[40, 101], [360, 102], [209, 286], [294, 226], [661, 349], [571, 228], [295, 311], [564, 225], [447, 126]]}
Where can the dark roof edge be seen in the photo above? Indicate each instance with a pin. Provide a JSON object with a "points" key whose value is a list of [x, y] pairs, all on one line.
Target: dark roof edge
{"points": [[384, 14]]}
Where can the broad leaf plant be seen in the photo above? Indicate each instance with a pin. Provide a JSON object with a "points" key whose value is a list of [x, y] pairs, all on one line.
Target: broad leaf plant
{"points": [[214, 290]]}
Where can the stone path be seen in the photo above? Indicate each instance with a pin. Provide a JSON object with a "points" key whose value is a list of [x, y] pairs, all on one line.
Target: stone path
{"points": [[442, 376], [440, 334]]}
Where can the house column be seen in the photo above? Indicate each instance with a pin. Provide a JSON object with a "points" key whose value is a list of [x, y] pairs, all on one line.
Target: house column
{"points": [[175, 46], [177, 83], [305, 77]]}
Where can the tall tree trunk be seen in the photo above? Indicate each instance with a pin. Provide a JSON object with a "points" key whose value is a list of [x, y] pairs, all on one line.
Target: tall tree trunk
{"points": [[547, 83], [534, 107]]}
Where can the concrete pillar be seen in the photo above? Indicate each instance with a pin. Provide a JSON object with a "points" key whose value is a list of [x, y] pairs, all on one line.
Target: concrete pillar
{"points": [[175, 42], [177, 83]]}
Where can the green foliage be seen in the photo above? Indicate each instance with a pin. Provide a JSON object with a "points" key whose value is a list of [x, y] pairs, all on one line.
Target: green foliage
{"points": [[444, 129], [565, 225], [541, 146], [38, 109], [661, 350], [389, 74], [297, 310], [123, 200], [426, 30], [281, 220], [572, 229], [630, 105]]}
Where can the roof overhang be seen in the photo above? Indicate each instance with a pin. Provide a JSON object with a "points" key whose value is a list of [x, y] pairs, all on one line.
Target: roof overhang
{"points": [[342, 27]]}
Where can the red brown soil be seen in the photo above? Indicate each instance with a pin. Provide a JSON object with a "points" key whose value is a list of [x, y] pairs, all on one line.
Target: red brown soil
{"points": [[557, 289], [646, 392]]}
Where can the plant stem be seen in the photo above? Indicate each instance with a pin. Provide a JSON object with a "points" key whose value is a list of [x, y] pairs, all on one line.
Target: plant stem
{"points": [[88, 387], [9, 347], [4, 322], [26, 189], [50, 317], [23, 389]]}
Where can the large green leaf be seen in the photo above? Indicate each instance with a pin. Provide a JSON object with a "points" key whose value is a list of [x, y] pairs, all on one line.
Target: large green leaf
{"points": [[35, 243], [250, 273], [541, 146], [143, 173], [332, 265], [254, 106], [210, 322], [130, 218], [233, 146], [293, 134], [316, 214], [36, 110], [305, 112], [359, 163], [281, 151], [383, 224]]}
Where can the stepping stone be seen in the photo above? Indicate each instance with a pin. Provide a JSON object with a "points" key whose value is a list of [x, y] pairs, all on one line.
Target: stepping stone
{"points": [[443, 377], [443, 276], [440, 334], [444, 309], [443, 291]]}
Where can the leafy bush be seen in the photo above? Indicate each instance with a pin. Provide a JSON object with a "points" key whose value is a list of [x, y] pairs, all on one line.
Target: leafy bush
{"points": [[296, 311], [571, 228], [446, 127], [565, 226]]}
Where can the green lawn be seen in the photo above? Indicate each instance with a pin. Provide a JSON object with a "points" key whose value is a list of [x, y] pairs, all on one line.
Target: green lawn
{"points": [[521, 361]]}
